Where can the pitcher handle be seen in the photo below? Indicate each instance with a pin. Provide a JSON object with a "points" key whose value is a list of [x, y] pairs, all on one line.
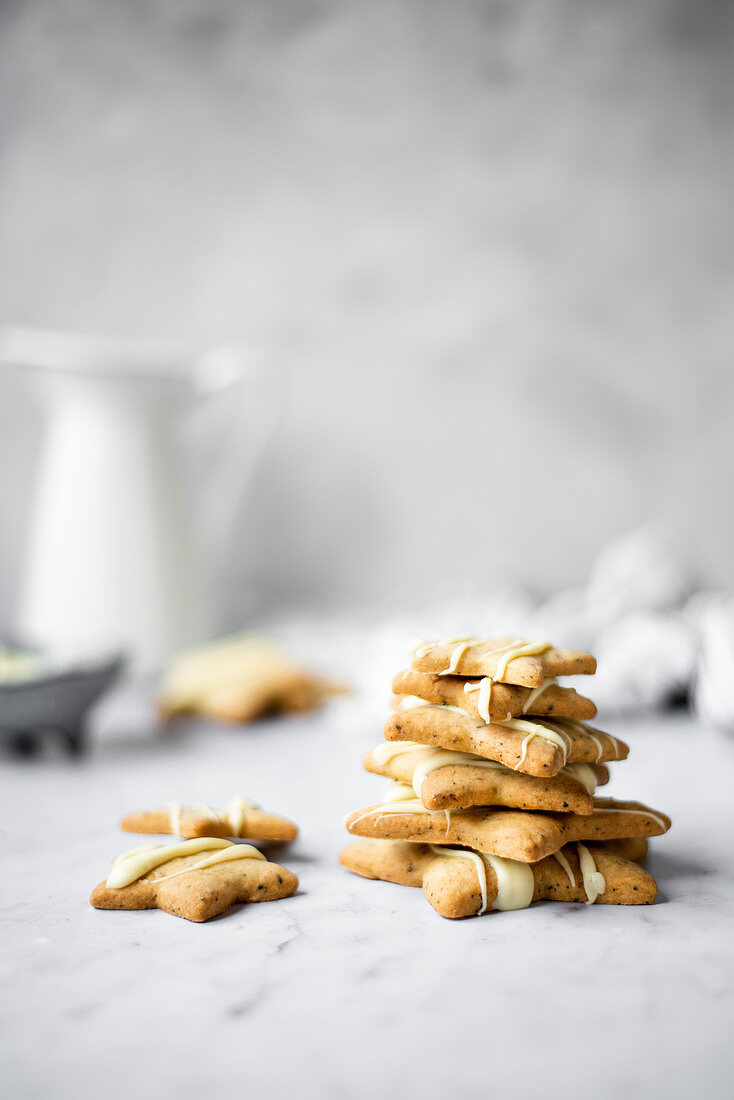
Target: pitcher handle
{"points": [[224, 370]]}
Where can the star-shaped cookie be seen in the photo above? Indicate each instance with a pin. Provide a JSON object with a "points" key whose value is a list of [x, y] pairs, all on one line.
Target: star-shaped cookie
{"points": [[196, 879], [241, 818], [464, 883]]}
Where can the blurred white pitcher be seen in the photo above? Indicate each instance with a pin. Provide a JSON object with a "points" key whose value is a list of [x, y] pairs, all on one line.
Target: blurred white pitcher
{"points": [[114, 557]]}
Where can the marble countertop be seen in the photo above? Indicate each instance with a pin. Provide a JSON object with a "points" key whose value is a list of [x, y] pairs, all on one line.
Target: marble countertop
{"points": [[354, 988]]}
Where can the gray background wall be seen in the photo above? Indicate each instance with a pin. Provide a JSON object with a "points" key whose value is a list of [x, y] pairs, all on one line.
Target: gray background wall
{"points": [[490, 242]]}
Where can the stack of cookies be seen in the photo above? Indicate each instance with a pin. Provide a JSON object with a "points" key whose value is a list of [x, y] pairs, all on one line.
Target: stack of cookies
{"points": [[492, 803]]}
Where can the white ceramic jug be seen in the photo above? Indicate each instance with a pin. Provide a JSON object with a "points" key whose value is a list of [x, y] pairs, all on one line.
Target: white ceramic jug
{"points": [[114, 559]]}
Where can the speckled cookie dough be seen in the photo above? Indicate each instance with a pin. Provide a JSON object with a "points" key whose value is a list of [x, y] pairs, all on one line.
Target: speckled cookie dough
{"points": [[508, 660], [482, 698], [537, 746], [446, 780], [513, 834]]}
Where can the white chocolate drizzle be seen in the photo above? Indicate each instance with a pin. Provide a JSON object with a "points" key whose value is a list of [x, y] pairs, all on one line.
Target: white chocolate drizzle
{"points": [[236, 814], [226, 855], [565, 726], [484, 687], [461, 644], [599, 748], [625, 810], [383, 754], [401, 799], [422, 650], [549, 681], [399, 792], [442, 758], [536, 729], [133, 865], [565, 865], [412, 702], [515, 883], [580, 727], [529, 649], [435, 759], [175, 809], [584, 773], [409, 701], [593, 880], [446, 707], [509, 652], [456, 656]]}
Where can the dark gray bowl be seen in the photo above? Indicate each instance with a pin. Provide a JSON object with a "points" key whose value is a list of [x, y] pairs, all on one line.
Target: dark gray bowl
{"points": [[53, 705]]}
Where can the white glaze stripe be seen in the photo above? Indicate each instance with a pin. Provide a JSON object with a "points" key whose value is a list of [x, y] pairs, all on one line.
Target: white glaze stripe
{"points": [[536, 729], [236, 851], [383, 754], [584, 774], [594, 883], [515, 882], [530, 649], [442, 758], [175, 810], [401, 804], [640, 813], [236, 814], [133, 864], [535, 694], [565, 865], [484, 687]]}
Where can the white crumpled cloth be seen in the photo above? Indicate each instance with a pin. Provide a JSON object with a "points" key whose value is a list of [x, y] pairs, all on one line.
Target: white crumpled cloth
{"points": [[632, 616], [713, 697]]}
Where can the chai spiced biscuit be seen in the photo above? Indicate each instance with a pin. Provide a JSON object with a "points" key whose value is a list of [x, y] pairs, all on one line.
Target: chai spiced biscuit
{"points": [[464, 882], [446, 780], [522, 835], [485, 699], [196, 879], [506, 660], [241, 818], [238, 679], [538, 746]]}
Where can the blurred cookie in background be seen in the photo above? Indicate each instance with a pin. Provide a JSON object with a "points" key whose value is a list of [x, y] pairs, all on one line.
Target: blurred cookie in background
{"points": [[239, 679]]}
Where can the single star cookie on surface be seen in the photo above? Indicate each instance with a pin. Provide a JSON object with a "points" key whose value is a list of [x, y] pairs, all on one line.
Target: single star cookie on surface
{"points": [[195, 879], [464, 882], [241, 818]]}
